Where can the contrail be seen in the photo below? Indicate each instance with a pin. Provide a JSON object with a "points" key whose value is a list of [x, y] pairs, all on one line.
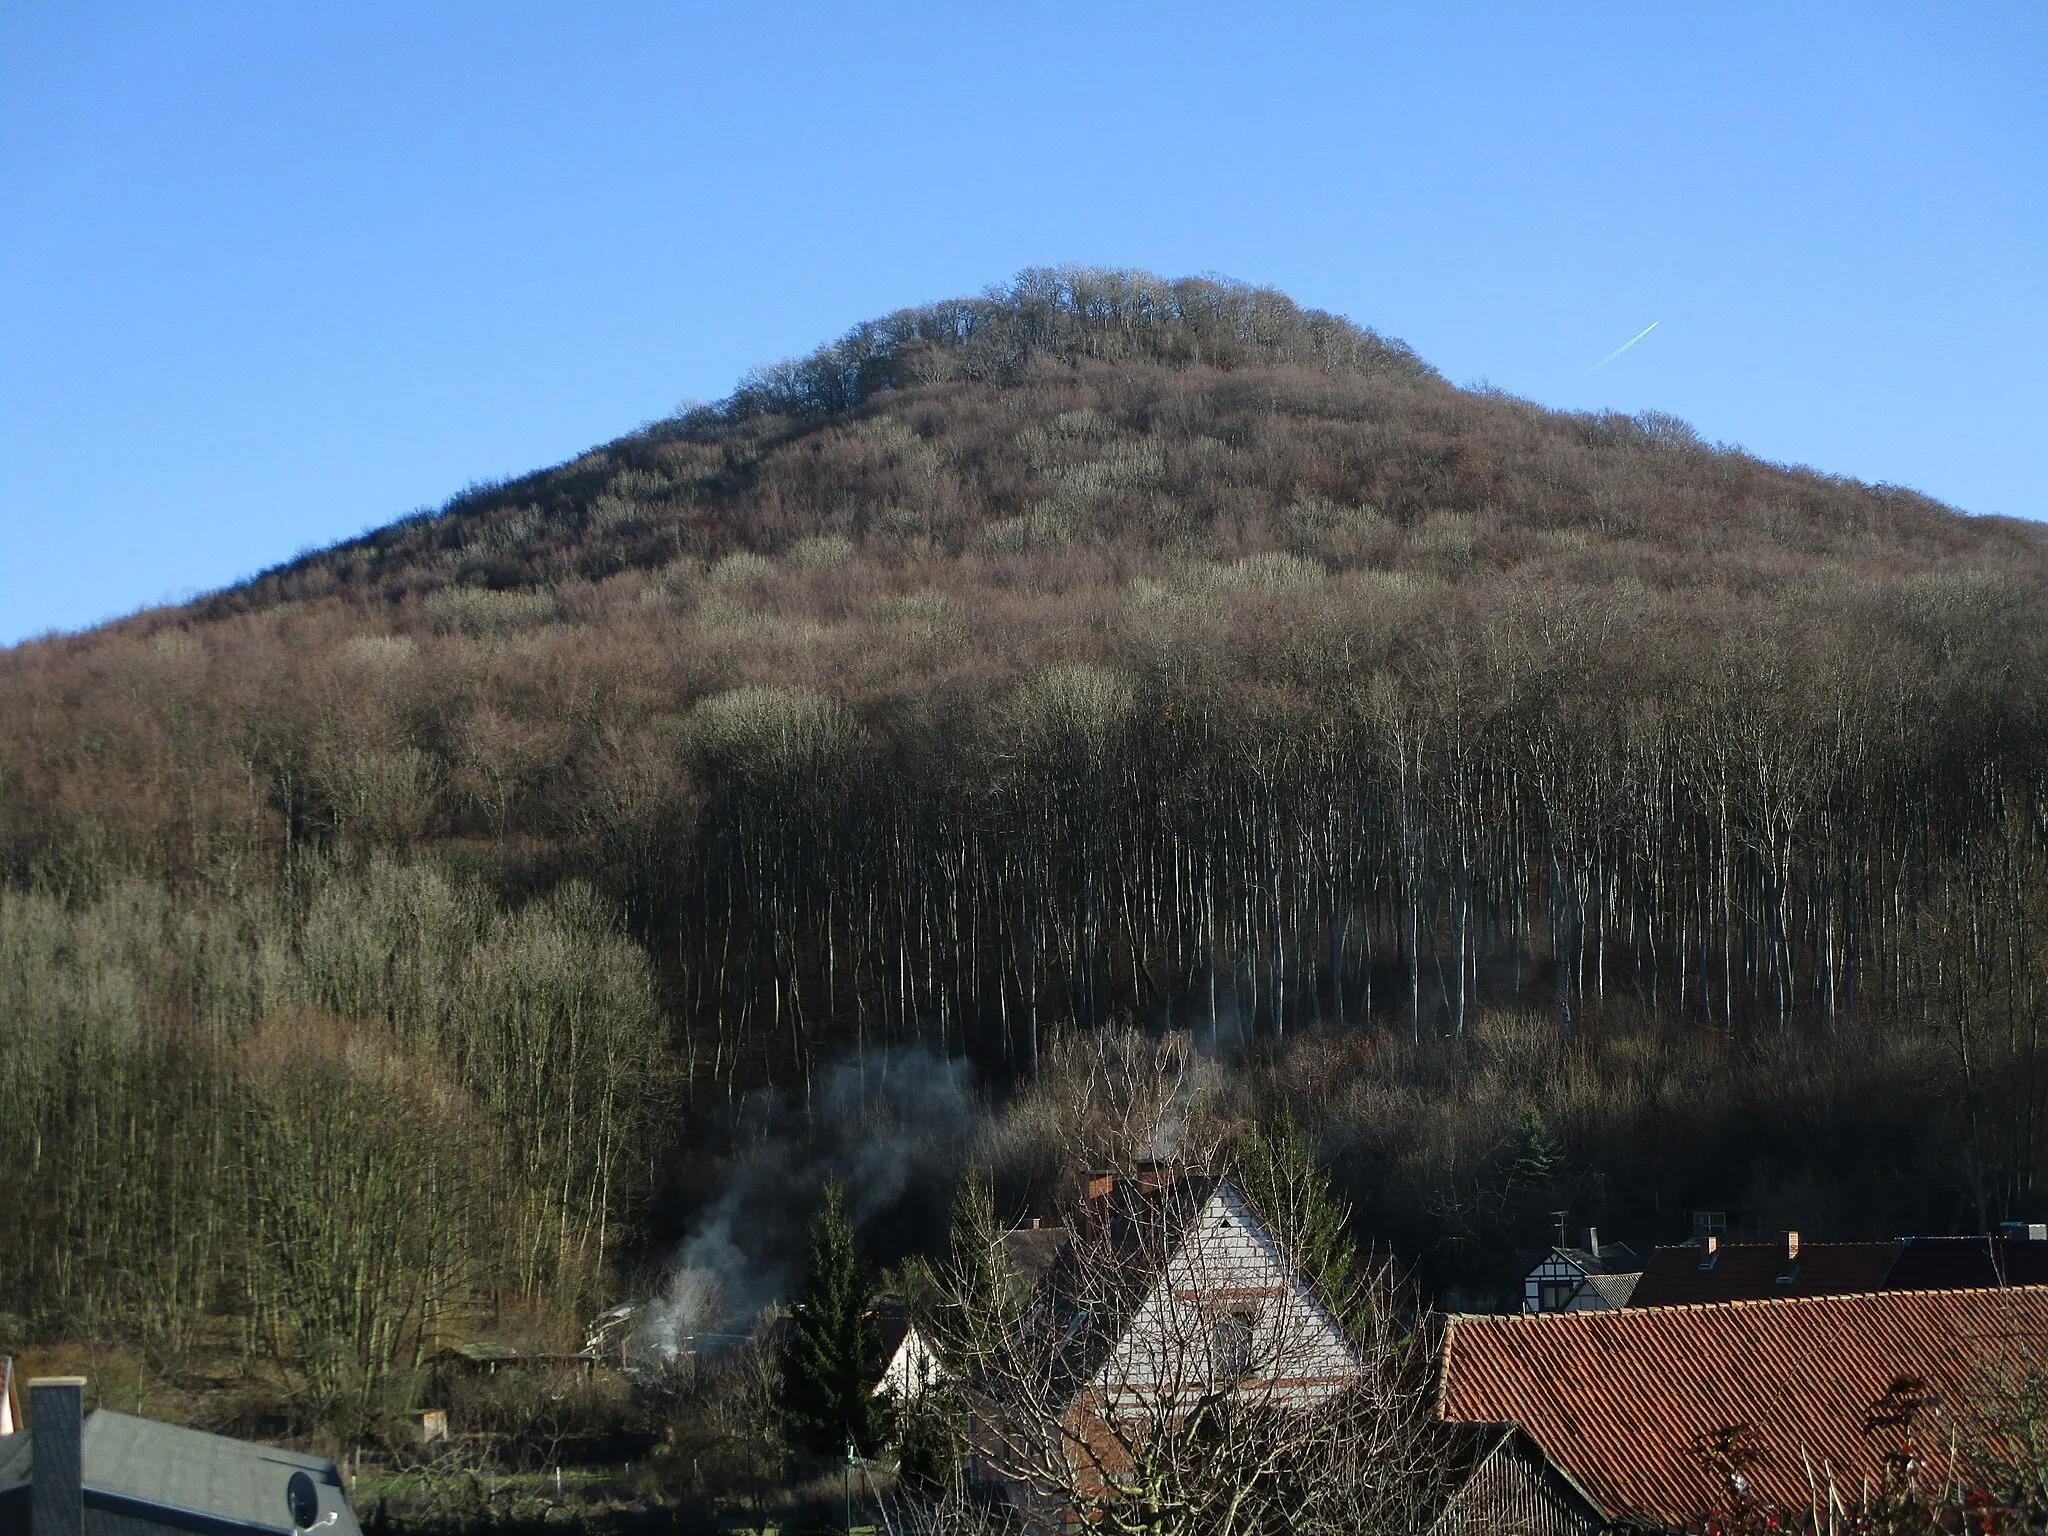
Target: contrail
{"points": [[1639, 335]]}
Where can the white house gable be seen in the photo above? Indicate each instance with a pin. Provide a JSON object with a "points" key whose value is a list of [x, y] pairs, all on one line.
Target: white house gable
{"points": [[1553, 1285], [1228, 1312], [911, 1370], [1592, 1279]]}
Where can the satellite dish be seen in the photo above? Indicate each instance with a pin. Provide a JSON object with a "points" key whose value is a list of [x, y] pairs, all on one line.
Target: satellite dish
{"points": [[304, 1500]]}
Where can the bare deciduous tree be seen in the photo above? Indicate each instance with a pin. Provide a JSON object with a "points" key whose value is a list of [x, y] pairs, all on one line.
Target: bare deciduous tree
{"points": [[1172, 1374]]}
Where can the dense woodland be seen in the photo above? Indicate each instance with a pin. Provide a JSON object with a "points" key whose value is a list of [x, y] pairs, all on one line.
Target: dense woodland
{"points": [[1555, 811]]}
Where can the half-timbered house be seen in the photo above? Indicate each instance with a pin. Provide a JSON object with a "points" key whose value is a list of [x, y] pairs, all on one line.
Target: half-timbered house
{"points": [[1596, 1278]]}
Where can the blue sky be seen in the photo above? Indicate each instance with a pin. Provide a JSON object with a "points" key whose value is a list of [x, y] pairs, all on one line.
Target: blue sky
{"points": [[271, 274]]}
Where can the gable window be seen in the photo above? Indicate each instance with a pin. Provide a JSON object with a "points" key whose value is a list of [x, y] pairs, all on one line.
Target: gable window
{"points": [[1230, 1345], [1556, 1295]]}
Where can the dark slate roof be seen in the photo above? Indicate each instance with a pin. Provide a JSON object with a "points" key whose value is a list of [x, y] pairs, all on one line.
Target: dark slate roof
{"points": [[1145, 1222], [1756, 1272], [1688, 1275], [141, 1466], [1964, 1263], [892, 1324], [1615, 1290], [1031, 1251], [1612, 1259]]}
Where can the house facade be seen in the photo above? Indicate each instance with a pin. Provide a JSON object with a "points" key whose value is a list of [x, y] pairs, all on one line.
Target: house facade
{"points": [[1507, 1485], [1596, 1278], [1226, 1312]]}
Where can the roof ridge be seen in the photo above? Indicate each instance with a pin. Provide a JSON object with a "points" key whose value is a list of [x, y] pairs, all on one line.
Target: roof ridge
{"points": [[1804, 1244], [1747, 1301]]}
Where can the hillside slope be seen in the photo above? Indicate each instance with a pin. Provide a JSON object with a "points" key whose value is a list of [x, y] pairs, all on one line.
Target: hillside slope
{"points": [[1106, 650], [1199, 488]]}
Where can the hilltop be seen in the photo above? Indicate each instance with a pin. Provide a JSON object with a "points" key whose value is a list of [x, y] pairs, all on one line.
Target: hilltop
{"points": [[1192, 485]]}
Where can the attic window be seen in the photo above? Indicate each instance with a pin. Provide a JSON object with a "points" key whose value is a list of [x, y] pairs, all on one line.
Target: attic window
{"points": [[1556, 1295], [1231, 1343]]}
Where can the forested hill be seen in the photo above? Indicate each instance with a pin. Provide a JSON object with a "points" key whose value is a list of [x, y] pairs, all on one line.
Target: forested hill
{"points": [[1187, 507], [1103, 651]]}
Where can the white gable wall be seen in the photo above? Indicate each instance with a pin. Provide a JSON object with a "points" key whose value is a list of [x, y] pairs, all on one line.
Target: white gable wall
{"points": [[1547, 1283], [1561, 1284], [1228, 1292], [911, 1371]]}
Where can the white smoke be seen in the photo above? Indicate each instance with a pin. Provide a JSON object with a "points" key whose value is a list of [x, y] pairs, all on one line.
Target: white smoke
{"points": [[878, 1123]]}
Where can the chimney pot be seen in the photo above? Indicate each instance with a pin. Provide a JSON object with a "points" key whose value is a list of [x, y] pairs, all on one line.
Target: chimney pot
{"points": [[56, 1475], [1791, 1248], [1713, 1244]]}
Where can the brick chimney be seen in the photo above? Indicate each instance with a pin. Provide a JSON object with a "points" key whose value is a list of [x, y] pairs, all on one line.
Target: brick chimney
{"points": [[1095, 1207], [56, 1474], [1790, 1253]]}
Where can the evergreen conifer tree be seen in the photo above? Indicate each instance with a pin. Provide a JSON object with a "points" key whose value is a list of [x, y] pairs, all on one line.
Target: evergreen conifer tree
{"points": [[1293, 1197], [833, 1358], [1539, 1154]]}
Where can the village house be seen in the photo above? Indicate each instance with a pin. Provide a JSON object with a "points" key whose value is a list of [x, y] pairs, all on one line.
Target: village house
{"points": [[489, 1358], [1595, 1278], [1667, 1416], [1172, 1292], [109, 1473], [910, 1365]]}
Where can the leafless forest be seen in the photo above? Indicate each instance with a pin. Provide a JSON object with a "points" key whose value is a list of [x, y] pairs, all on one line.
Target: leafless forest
{"points": [[1557, 811]]}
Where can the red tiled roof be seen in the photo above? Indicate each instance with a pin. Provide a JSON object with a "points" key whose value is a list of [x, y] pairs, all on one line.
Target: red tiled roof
{"points": [[1621, 1401], [1751, 1272]]}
